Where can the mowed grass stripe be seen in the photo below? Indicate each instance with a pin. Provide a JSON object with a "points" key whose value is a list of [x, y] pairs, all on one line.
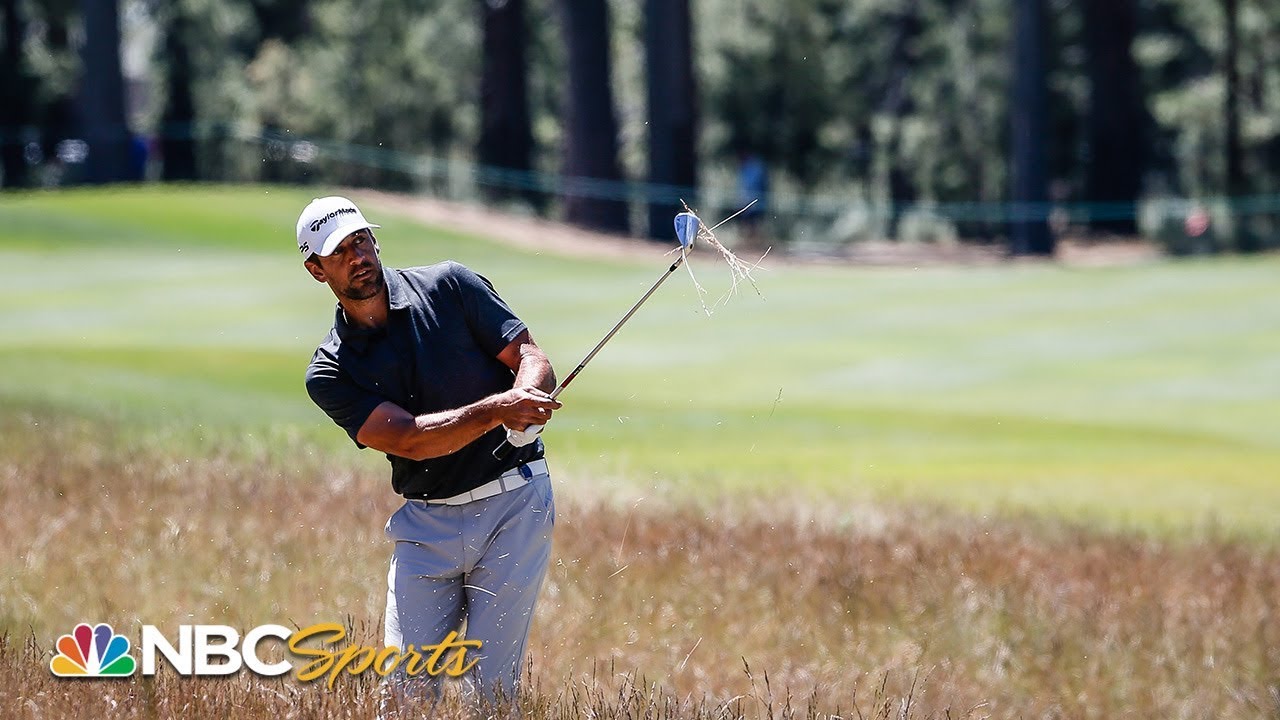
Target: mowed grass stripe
{"points": [[1144, 394]]}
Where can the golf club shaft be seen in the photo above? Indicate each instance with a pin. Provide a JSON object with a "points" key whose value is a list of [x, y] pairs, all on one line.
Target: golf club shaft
{"points": [[505, 447]]}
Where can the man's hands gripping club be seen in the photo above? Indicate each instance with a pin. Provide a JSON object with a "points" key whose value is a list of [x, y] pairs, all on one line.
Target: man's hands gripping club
{"points": [[529, 412], [535, 376], [523, 409]]}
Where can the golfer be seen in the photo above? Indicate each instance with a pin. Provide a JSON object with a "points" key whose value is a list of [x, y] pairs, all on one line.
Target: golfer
{"points": [[428, 365]]}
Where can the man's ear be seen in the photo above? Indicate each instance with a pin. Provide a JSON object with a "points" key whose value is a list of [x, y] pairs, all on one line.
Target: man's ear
{"points": [[313, 266]]}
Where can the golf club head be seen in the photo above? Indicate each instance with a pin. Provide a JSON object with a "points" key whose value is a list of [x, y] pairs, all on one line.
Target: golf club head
{"points": [[687, 225]]}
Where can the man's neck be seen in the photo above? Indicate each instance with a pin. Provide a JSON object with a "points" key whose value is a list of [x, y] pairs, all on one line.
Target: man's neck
{"points": [[368, 314]]}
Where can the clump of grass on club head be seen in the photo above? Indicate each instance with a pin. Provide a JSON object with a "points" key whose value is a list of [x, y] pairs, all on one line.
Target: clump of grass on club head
{"points": [[739, 270]]}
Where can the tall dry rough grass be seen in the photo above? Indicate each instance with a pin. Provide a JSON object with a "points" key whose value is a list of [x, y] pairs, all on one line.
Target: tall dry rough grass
{"points": [[741, 609]]}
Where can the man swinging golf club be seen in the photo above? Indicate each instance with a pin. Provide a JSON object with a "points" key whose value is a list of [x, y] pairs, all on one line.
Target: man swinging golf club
{"points": [[428, 365]]}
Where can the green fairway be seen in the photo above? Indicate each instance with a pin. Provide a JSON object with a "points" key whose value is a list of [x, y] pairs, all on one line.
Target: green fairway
{"points": [[1145, 395]]}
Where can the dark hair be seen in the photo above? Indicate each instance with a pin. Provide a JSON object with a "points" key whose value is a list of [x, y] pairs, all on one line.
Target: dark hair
{"points": [[311, 258]]}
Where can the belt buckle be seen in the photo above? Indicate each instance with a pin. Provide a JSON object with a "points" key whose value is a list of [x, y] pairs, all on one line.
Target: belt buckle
{"points": [[526, 472]]}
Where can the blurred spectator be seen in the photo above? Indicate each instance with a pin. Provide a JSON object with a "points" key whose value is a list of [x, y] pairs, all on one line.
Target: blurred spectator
{"points": [[1197, 222], [139, 150], [753, 184]]}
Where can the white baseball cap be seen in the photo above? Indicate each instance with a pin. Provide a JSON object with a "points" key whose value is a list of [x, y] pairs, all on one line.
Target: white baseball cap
{"points": [[325, 222]]}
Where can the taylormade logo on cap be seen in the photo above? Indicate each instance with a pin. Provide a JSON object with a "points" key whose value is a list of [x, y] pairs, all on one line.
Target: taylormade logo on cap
{"points": [[325, 222], [315, 226]]}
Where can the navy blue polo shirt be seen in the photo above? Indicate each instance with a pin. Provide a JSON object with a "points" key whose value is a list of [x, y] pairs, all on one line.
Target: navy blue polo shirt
{"points": [[438, 351]]}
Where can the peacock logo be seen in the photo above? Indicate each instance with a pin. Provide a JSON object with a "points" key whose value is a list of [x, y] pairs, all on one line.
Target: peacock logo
{"points": [[93, 651]]}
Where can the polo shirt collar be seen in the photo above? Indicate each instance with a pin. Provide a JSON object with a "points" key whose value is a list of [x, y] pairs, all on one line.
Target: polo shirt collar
{"points": [[357, 337], [397, 293]]}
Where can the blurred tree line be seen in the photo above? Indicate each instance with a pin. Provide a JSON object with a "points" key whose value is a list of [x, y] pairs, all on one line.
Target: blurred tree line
{"points": [[999, 120]]}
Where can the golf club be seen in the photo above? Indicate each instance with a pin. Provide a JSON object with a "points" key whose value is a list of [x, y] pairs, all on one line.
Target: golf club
{"points": [[687, 226]]}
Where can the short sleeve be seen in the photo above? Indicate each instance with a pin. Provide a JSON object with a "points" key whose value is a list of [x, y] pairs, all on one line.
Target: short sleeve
{"points": [[346, 403], [491, 320]]}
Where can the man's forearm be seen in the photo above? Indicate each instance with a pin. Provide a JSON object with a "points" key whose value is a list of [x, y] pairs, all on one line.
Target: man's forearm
{"points": [[393, 430], [445, 432], [535, 370]]}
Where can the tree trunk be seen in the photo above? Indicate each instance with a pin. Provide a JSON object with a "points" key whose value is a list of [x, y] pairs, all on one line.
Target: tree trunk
{"points": [[56, 117], [902, 191], [896, 102], [17, 89], [1246, 239], [506, 136], [1029, 227], [590, 127], [1113, 175], [102, 114], [284, 20], [668, 42], [177, 142]]}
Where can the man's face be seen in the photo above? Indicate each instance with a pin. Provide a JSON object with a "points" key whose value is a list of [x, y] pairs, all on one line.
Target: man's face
{"points": [[353, 270]]}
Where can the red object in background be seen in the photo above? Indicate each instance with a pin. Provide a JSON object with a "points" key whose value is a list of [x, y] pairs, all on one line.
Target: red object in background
{"points": [[1197, 222]]}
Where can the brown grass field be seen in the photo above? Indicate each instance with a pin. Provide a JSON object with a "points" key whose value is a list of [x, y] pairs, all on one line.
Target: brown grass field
{"points": [[735, 609]]}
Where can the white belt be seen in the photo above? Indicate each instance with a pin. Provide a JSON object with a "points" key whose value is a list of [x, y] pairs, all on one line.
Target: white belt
{"points": [[509, 480]]}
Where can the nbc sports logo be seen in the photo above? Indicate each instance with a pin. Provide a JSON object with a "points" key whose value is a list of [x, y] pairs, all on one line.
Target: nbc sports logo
{"points": [[96, 651], [93, 652]]}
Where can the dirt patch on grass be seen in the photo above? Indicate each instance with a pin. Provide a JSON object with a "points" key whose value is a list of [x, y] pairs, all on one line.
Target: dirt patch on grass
{"points": [[525, 232], [539, 235]]}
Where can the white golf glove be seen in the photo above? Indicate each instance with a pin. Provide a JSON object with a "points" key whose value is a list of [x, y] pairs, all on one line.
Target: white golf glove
{"points": [[520, 438]]}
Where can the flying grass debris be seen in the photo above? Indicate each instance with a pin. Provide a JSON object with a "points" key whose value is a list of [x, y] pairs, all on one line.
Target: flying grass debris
{"points": [[689, 229]]}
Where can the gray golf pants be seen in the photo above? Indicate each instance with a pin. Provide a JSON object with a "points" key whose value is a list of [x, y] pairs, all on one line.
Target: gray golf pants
{"points": [[483, 562]]}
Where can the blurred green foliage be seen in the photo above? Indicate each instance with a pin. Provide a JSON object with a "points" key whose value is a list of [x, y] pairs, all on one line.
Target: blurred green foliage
{"points": [[838, 97]]}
